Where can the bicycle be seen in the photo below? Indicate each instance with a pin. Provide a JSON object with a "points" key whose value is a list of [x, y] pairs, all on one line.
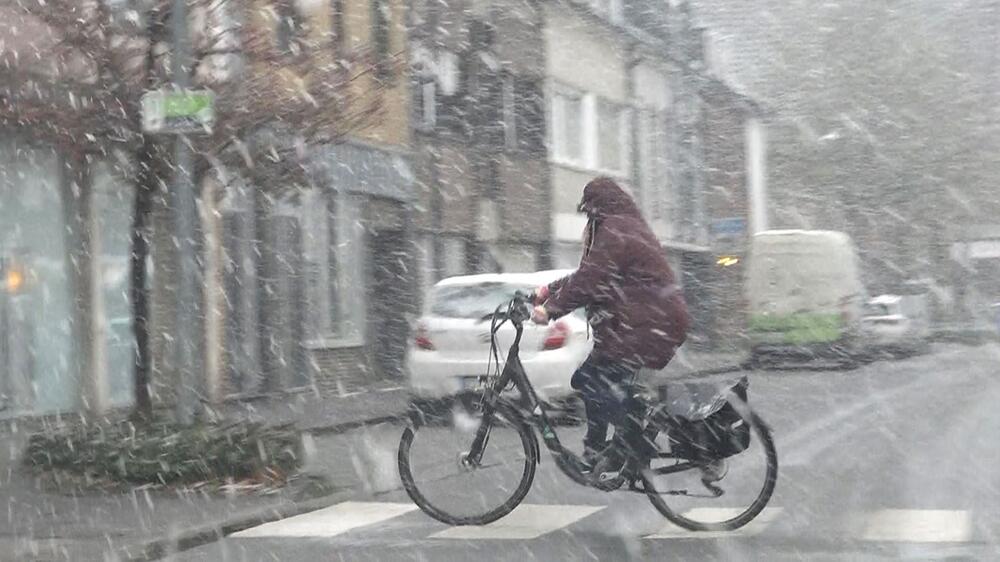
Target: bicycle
{"points": [[665, 438]]}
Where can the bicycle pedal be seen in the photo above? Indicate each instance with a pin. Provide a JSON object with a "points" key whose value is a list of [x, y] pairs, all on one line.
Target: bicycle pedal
{"points": [[608, 476]]}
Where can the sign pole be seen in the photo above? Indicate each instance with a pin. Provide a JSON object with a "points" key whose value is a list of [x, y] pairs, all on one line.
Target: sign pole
{"points": [[185, 208]]}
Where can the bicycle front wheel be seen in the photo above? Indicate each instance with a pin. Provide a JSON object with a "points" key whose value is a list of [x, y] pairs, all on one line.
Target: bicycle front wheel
{"points": [[433, 468]]}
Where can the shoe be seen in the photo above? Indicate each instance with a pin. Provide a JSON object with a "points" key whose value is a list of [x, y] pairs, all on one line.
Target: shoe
{"points": [[603, 458], [592, 455], [714, 471]]}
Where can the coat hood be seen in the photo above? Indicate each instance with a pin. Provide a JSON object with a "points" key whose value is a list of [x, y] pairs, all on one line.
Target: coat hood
{"points": [[602, 197]]}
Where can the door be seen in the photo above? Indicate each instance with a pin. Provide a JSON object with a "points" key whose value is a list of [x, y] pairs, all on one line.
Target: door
{"points": [[392, 300]]}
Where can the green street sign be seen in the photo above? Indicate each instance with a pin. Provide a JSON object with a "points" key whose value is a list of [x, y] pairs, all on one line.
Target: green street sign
{"points": [[177, 112]]}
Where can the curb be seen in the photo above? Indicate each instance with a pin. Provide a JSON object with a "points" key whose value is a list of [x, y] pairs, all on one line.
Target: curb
{"points": [[212, 532], [348, 426], [188, 539]]}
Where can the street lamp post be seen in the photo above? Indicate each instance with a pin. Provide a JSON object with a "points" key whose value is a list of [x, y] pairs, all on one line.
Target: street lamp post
{"points": [[185, 208]]}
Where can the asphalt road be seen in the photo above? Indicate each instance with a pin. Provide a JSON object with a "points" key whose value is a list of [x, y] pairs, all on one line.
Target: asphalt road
{"points": [[895, 460]]}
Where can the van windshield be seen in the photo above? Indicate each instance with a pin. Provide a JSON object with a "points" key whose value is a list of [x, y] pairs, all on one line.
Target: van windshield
{"points": [[801, 278]]}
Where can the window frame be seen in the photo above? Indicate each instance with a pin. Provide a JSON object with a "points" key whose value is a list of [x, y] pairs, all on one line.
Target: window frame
{"points": [[558, 131], [590, 140], [509, 112]]}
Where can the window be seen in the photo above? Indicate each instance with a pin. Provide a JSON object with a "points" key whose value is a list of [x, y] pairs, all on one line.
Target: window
{"points": [[350, 248], [381, 22], [472, 301], [317, 263], [615, 12], [529, 107], [452, 257], [447, 72], [333, 249], [428, 104], [610, 10], [509, 114], [567, 128], [590, 132], [612, 137], [425, 103], [337, 36], [289, 31], [653, 164]]}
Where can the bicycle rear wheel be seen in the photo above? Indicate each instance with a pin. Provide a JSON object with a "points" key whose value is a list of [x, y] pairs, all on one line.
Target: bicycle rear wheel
{"points": [[431, 467], [745, 480]]}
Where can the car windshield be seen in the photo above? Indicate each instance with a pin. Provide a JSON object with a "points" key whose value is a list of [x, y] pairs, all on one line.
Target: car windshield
{"points": [[877, 309], [472, 301]]}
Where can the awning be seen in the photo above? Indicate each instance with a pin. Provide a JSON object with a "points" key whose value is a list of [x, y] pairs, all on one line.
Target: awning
{"points": [[352, 168]]}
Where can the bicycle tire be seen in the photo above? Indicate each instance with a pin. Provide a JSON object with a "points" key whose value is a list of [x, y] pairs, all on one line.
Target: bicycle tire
{"points": [[763, 433], [529, 444]]}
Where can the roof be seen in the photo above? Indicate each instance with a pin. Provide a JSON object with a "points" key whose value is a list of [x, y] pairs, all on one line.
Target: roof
{"points": [[536, 278]]}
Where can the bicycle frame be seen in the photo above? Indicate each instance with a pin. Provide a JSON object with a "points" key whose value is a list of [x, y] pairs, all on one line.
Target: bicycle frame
{"points": [[530, 404]]}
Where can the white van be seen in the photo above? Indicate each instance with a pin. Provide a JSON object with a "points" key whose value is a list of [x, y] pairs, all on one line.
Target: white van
{"points": [[805, 296]]}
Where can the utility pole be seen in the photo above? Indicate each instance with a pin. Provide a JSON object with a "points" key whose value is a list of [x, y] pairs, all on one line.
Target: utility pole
{"points": [[184, 202]]}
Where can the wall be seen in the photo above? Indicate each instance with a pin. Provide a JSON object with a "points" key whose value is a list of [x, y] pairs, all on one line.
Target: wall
{"points": [[585, 55]]}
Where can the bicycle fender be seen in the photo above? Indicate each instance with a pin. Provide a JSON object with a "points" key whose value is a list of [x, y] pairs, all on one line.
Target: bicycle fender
{"points": [[514, 412]]}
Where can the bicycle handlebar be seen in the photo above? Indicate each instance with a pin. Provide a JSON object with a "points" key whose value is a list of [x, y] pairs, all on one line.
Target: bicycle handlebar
{"points": [[518, 309]]}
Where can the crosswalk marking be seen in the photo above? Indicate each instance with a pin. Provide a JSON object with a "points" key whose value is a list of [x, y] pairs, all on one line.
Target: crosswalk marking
{"points": [[918, 525], [527, 521], [330, 521], [531, 521], [715, 514]]}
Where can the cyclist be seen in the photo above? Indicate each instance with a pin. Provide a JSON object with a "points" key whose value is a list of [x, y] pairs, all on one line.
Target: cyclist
{"points": [[633, 303]]}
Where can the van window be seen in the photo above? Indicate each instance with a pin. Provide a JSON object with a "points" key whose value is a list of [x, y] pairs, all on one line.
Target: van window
{"points": [[816, 275]]}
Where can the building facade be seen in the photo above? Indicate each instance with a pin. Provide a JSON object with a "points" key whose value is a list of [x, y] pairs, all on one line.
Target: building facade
{"points": [[479, 137], [316, 269]]}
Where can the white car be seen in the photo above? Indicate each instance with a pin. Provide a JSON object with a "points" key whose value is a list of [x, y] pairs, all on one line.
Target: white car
{"points": [[897, 323], [450, 348]]}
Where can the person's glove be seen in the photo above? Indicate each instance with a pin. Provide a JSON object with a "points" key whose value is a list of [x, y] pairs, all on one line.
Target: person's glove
{"points": [[539, 315], [541, 294]]}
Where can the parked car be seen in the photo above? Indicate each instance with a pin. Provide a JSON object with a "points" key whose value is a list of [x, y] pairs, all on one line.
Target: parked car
{"points": [[897, 323], [806, 297], [450, 347]]}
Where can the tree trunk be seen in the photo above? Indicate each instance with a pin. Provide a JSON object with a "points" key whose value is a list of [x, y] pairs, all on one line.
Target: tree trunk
{"points": [[148, 165], [139, 292]]}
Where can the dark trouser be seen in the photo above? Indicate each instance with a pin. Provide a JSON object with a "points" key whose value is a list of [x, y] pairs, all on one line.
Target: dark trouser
{"points": [[605, 385]]}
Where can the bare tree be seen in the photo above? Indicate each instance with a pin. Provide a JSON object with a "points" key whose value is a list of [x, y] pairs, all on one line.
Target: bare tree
{"points": [[73, 72]]}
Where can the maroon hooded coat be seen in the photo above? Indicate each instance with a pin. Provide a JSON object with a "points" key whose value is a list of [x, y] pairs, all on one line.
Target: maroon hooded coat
{"points": [[630, 294]]}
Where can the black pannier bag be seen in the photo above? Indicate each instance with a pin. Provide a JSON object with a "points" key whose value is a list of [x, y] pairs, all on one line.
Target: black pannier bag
{"points": [[719, 434]]}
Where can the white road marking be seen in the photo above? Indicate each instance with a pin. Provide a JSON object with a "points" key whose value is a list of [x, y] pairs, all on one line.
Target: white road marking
{"points": [[918, 525], [527, 521], [715, 514], [330, 521]]}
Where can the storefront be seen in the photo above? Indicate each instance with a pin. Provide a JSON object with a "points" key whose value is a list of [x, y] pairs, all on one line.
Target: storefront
{"points": [[49, 352], [319, 279]]}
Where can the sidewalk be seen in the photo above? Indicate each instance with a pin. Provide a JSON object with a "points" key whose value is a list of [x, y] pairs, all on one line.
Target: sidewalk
{"points": [[41, 524], [147, 524]]}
